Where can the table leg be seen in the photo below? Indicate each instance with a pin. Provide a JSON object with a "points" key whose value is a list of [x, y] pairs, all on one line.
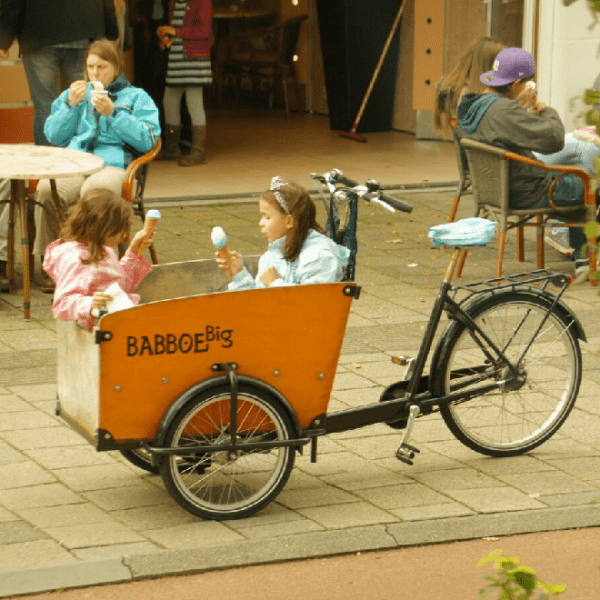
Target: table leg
{"points": [[22, 200], [10, 238]]}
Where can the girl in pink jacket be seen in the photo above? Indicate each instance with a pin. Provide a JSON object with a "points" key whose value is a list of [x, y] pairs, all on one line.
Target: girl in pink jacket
{"points": [[83, 263]]}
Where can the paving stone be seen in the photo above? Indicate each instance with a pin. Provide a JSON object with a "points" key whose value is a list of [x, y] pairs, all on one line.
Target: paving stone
{"points": [[498, 499], [31, 554], [96, 534], [574, 499], [65, 515], [554, 482], [339, 462], [135, 496], [347, 381], [48, 437], [12, 403], [525, 463], [402, 496], [372, 448], [69, 456], [194, 535], [432, 511], [295, 527], [369, 476], [315, 497], [52, 494], [154, 517], [83, 479], [8, 455], [13, 532], [347, 515], [455, 479], [23, 474], [99, 553], [34, 393], [583, 468], [7, 515], [32, 419]]}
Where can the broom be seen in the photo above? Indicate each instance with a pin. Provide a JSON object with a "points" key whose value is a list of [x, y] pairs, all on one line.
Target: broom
{"points": [[352, 133]]}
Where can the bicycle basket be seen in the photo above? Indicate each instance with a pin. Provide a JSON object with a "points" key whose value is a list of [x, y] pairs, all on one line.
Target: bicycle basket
{"points": [[466, 232]]}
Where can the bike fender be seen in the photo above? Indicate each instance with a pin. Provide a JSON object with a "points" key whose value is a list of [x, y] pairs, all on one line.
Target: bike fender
{"points": [[191, 393]]}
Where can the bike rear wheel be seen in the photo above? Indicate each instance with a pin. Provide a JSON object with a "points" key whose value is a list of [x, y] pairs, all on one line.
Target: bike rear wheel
{"points": [[512, 419], [221, 484]]}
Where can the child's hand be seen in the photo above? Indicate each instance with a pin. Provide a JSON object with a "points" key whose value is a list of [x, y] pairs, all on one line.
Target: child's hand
{"points": [[140, 242], [77, 92], [268, 276], [232, 264], [99, 300]]}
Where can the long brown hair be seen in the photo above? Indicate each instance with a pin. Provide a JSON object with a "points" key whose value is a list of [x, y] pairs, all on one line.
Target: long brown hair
{"points": [[304, 212], [106, 50], [477, 59], [95, 217]]}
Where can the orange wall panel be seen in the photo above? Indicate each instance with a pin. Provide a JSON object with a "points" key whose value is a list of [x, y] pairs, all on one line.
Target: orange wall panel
{"points": [[16, 125], [13, 83], [429, 52]]}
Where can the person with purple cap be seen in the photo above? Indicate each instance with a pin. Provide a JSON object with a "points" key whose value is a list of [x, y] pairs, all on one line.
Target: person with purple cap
{"points": [[502, 116]]}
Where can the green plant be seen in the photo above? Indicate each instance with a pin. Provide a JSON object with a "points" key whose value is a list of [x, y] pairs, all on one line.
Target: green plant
{"points": [[514, 581]]}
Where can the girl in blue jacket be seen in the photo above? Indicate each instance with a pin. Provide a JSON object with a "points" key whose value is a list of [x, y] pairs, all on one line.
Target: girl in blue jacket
{"points": [[118, 127], [298, 253]]}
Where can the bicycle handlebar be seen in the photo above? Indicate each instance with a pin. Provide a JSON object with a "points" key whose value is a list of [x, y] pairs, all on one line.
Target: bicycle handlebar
{"points": [[371, 192]]}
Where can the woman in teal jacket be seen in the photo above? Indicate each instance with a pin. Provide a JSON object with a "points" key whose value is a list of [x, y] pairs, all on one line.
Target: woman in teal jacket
{"points": [[118, 127]]}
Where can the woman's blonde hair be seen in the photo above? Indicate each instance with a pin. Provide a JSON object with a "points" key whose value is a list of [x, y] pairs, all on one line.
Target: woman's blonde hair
{"points": [[94, 218], [298, 204], [464, 77], [106, 50]]}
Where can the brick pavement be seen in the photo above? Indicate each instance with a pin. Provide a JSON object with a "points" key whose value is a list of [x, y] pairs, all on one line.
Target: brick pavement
{"points": [[72, 516]]}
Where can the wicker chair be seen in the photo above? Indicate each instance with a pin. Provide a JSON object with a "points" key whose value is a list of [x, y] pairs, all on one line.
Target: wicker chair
{"points": [[489, 169]]}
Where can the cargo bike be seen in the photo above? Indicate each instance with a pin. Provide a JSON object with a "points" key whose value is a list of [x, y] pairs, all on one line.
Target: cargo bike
{"points": [[218, 391]]}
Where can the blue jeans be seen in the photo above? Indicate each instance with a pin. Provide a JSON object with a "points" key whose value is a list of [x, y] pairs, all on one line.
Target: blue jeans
{"points": [[42, 68], [569, 190], [575, 152]]}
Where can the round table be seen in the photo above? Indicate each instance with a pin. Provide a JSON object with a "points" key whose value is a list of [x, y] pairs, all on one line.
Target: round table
{"points": [[22, 162]]}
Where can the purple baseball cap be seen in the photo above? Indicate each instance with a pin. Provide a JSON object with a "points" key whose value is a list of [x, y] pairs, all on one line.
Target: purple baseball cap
{"points": [[510, 64]]}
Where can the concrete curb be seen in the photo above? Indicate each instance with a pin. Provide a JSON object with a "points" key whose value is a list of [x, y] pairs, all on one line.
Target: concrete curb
{"points": [[298, 547]]}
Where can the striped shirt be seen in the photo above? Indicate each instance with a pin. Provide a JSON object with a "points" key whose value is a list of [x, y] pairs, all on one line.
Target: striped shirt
{"points": [[182, 71]]}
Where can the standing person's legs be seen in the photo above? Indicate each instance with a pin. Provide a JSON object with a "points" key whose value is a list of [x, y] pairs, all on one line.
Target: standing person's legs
{"points": [[172, 108], [41, 69], [194, 97], [72, 65]]}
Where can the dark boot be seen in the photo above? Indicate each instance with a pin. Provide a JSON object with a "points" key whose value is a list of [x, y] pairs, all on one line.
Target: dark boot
{"points": [[196, 156], [170, 149]]}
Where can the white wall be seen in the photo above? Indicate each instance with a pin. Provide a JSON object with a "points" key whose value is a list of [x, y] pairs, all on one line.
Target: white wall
{"points": [[568, 58]]}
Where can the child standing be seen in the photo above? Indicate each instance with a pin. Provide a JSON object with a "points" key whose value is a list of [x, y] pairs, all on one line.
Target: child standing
{"points": [[189, 39], [83, 263], [298, 253]]}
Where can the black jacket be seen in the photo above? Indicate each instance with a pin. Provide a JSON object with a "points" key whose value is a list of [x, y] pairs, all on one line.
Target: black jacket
{"points": [[39, 23]]}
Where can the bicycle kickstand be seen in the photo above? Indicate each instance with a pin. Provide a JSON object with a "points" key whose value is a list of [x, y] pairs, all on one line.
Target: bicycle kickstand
{"points": [[406, 453]]}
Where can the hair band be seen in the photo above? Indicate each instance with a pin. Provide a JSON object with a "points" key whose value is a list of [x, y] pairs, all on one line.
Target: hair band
{"points": [[276, 184]]}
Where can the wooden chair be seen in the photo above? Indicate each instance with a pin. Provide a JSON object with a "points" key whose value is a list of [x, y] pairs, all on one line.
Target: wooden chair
{"points": [[265, 55], [489, 169], [134, 185]]}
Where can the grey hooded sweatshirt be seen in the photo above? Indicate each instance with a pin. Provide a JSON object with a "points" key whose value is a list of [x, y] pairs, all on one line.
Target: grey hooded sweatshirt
{"points": [[499, 121]]}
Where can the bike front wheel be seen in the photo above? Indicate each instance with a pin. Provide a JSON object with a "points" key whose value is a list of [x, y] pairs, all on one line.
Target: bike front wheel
{"points": [[223, 484], [512, 419]]}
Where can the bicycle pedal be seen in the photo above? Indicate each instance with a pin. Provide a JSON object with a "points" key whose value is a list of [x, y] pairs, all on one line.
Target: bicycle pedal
{"points": [[406, 453]]}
